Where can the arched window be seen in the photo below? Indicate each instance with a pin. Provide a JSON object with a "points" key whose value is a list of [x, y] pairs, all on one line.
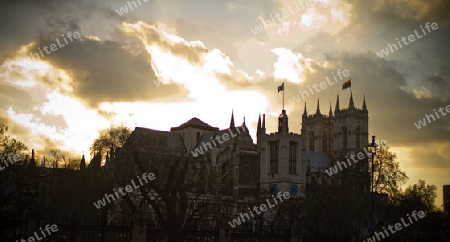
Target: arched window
{"points": [[311, 141], [358, 138], [324, 143], [344, 137]]}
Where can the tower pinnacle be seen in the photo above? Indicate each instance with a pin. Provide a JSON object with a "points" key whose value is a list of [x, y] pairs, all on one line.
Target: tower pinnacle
{"points": [[318, 108], [336, 109], [232, 120], [304, 112], [331, 112], [364, 103], [351, 104]]}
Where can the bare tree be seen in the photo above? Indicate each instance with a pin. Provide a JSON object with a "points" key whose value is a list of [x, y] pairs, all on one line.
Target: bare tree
{"points": [[18, 182], [174, 200], [57, 159], [9, 145]]}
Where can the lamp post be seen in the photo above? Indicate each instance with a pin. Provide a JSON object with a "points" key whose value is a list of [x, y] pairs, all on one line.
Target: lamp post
{"points": [[373, 150]]}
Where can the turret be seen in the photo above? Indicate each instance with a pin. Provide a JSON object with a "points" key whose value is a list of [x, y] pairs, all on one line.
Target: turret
{"points": [[283, 127]]}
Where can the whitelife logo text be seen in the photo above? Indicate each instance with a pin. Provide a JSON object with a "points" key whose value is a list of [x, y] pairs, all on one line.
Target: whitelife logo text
{"points": [[262, 208], [411, 38], [128, 189]]}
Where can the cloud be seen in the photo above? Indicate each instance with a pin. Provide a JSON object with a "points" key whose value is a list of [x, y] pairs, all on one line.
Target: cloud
{"points": [[235, 6], [209, 61], [433, 155], [110, 70], [434, 10]]}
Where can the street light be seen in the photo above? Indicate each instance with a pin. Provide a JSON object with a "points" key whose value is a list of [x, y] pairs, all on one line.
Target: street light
{"points": [[373, 150]]}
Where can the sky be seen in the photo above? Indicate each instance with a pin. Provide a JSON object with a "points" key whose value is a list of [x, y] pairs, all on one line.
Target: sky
{"points": [[163, 62]]}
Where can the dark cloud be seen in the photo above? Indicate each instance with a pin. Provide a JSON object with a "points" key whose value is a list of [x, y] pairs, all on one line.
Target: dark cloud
{"points": [[106, 72], [439, 82], [13, 128], [62, 25], [192, 53], [13, 96], [433, 10]]}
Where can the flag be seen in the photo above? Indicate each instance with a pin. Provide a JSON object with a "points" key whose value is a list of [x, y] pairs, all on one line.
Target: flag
{"points": [[281, 88], [347, 84]]}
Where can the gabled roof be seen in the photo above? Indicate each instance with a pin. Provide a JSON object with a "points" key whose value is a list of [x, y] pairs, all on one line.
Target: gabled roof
{"points": [[195, 123], [166, 139], [207, 137]]}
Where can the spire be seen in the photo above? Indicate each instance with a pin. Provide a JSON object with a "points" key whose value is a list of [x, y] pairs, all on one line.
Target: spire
{"points": [[304, 112], [244, 121], [264, 122], [32, 160], [82, 163], [258, 128], [337, 105], [259, 122], [331, 112], [351, 104], [364, 103], [318, 109], [232, 120]]}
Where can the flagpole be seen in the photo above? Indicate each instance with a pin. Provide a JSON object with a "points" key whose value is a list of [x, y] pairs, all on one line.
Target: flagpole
{"points": [[283, 95]]}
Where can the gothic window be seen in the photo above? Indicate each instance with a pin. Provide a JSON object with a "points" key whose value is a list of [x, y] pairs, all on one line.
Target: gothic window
{"points": [[273, 189], [293, 157], [311, 141], [274, 150], [344, 137], [325, 143], [294, 190], [358, 138]]}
